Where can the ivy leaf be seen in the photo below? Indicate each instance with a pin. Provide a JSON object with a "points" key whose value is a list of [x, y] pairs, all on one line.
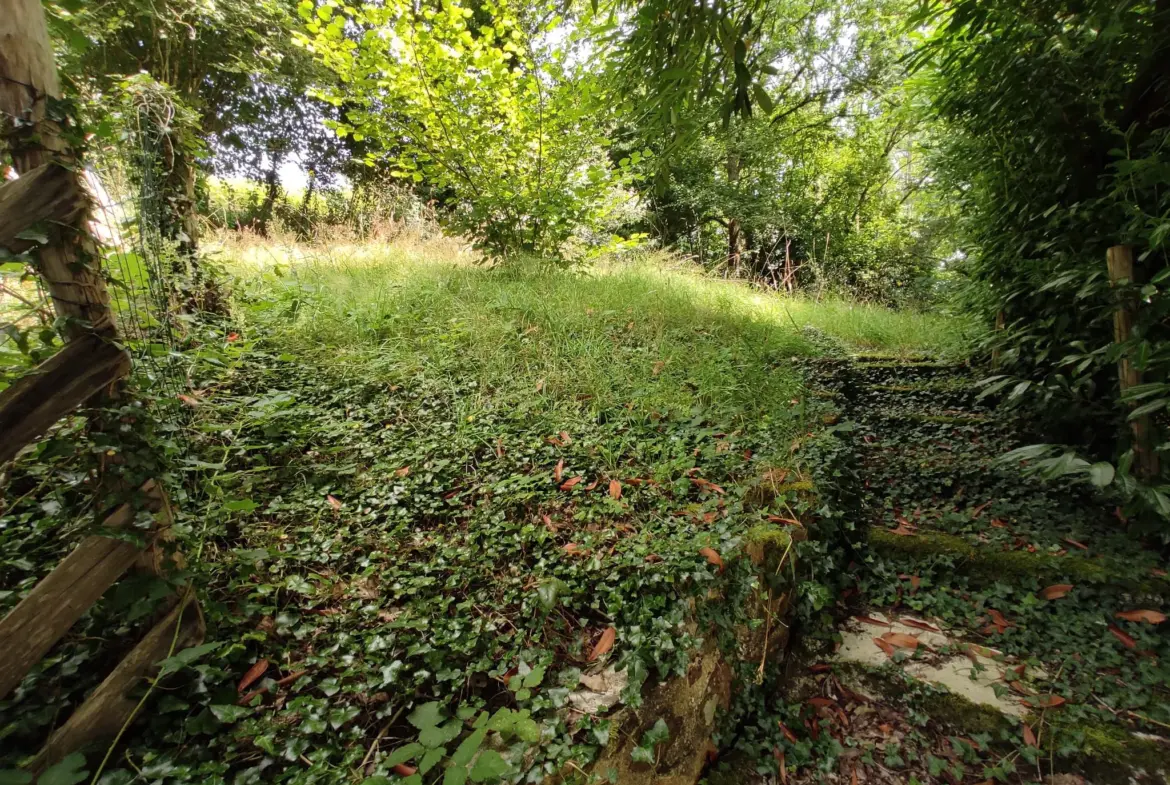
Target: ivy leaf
{"points": [[186, 657], [229, 713], [455, 775], [430, 759], [404, 753], [428, 715], [1101, 474], [69, 771], [489, 766], [468, 747]]}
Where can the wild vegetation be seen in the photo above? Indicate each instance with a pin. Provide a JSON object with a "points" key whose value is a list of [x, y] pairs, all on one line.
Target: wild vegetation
{"points": [[612, 392]]}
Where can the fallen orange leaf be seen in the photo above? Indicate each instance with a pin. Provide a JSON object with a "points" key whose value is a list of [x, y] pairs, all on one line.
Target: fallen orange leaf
{"points": [[997, 619], [405, 470], [920, 625], [255, 672], [1076, 544], [885, 646], [1046, 701], [402, 770], [713, 557], [1056, 591], [559, 472], [334, 502], [871, 620], [1149, 617], [1126, 640], [901, 640], [615, 489], [707, 485], [1030, 737], [567, 485], [604, 643]]}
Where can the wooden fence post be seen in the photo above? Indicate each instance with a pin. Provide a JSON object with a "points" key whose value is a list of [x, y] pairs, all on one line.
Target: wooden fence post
{"points": [[1000, 323], [1119, 259], [28, 80]]}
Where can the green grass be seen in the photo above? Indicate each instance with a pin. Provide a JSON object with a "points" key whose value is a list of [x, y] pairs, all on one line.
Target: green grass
{"points": [[646, 331]]}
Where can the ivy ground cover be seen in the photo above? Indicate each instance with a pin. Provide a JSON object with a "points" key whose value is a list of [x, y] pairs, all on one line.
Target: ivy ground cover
{"points": [[420, 497]]}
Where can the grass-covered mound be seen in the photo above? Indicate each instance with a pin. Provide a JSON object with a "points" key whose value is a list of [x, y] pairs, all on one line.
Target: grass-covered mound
{"points": [[422, 491]]}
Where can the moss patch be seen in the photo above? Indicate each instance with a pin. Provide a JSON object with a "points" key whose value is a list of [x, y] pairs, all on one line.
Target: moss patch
{"points": [[994, 564]]}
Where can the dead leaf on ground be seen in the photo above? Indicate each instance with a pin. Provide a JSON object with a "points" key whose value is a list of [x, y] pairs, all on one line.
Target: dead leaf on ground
{"points": [[1149, 617], [1056, 591], [540, 385], [998, 622], [657, 367], [334, 502], [405, 470], [255, 672], [872, 620], [1126, 640], [1045, 701], [573, 549], [1030, 737], [402, 770], [707, 485], [920, 625], [1076, 544], [905, 528], [559, 472], [975, 513], [604, 643], [712, 556], [901, 640], [787, 733], [885, 646], [615, 490], [570, 483]]}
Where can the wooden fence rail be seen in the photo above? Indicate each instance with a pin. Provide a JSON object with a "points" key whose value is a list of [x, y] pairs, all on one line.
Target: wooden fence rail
{"points": [[49, 198]]}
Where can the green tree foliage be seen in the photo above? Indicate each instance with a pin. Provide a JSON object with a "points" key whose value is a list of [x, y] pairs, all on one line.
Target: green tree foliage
{"points": [[1055, 118], [824, 184], [490, 102], [216, 67]]}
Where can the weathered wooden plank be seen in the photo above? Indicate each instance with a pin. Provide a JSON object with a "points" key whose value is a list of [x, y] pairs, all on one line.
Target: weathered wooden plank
{"points": [[1119, 261], [111, 705], [47, 194], [57, 602], [56, 387], [69, 262]]}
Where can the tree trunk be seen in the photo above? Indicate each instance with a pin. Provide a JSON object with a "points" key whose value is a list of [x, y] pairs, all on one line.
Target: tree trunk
{"points": [[178, 221], [733, 228], [271, 192]]}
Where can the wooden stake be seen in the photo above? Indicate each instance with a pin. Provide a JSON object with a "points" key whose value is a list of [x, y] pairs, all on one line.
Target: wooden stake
{"points": [[1000, 323], [113, 704], [55, 388], [28, 81], [1119, 259], [51, 608]]}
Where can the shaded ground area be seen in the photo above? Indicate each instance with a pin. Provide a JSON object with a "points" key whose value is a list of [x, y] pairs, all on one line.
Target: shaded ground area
{"points": [[1029, 596]]}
